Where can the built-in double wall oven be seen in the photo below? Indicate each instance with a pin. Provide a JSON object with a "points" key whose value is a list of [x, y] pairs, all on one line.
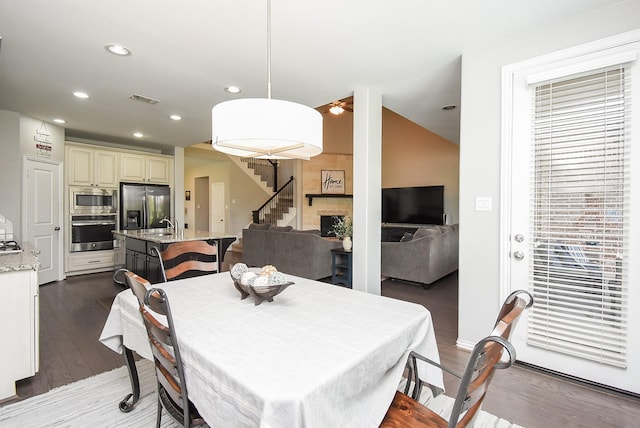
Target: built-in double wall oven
{"points": [[93, 218]]}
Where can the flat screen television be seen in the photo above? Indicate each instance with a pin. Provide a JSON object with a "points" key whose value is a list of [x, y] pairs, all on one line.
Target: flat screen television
{"points": [[413, 205]]}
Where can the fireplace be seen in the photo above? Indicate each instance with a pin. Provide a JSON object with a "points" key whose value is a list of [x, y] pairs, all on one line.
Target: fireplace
{"points": [[326, 224]]}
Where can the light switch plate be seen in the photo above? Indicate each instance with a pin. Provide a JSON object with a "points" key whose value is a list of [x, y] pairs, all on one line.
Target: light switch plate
{"points": [[484, 203]]}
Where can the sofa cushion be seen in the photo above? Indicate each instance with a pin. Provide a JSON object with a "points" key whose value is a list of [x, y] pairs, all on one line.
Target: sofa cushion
{"points": [[406, 237], [257, 226], [426, 231], [280, 229]]}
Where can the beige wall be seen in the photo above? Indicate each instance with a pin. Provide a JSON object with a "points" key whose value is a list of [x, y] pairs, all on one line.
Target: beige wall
{"points": [[241, 193], [311, 173], [411, 156], [415, 156]]}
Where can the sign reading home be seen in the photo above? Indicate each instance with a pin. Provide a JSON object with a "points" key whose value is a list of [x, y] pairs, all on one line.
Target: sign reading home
{"points": [[332, 181], [43, 142]]}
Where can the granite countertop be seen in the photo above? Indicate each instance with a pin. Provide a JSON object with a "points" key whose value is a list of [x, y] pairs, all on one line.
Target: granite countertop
{"points": [[25, 260], [167, 236]]}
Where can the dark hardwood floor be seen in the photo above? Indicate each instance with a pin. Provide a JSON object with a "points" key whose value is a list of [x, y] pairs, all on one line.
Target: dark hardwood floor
{"points": [[72, 313]]}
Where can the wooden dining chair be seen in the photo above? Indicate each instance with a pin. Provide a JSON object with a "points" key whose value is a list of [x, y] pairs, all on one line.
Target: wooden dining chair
{"points": [[487, 355], [187, 259], [172, 388]]}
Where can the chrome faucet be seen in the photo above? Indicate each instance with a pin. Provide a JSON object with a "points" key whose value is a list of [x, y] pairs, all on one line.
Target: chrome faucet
{"points": [[166, 220]]}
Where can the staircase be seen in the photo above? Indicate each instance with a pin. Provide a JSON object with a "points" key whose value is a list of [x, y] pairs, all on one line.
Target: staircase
{"points": [[266, 169], [279, 208]]}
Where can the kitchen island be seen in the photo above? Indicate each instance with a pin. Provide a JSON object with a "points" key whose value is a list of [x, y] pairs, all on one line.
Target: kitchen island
{"points": [[19, 316], [137, 247]]}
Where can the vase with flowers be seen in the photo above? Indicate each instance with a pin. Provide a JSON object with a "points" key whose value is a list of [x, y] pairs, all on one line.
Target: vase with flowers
{"points": [[343, 229]]}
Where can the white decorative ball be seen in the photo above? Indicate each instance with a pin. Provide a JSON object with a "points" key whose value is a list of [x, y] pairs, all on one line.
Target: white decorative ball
{"points": [[260, 283], [247, 278], [238, 269], [277, 278]]}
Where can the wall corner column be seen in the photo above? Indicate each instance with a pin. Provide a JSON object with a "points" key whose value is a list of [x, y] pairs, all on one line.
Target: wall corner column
{"points": [[367, 182]]}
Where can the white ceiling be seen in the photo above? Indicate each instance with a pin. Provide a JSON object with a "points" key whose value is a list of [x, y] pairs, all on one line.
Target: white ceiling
{"points": [[185, 53]]}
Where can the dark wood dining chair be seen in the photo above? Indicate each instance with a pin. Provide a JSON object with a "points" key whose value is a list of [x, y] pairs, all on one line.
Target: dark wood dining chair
{"points": [[487, 355], [172, 388], [187, 259]]}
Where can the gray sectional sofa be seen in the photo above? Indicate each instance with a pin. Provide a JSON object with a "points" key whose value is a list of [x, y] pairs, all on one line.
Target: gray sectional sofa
{"points": [[430, 254], [300, 253]]}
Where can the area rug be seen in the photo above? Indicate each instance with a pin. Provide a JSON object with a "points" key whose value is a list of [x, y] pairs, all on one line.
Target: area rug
{"points": [[93, 402], [443, 404]]}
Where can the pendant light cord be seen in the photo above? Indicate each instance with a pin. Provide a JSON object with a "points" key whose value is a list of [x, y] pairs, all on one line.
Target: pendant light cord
{"points": [[269, 49]]}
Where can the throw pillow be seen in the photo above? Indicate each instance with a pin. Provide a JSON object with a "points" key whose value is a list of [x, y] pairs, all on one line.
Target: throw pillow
{"points": [[257, 226], [280, 229], [406, 237], [426, 231]]}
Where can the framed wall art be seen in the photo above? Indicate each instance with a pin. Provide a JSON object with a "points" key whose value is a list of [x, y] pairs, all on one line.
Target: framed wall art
{"points": [[332, 182]]}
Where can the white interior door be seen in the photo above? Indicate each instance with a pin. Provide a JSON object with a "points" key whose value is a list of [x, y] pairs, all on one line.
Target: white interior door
{"points": [[572, 194], [218, 223], [42, 209]]}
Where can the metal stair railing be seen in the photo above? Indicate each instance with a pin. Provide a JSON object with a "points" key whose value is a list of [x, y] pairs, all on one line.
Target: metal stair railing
{"points": [[277, 206], [266, 169]]}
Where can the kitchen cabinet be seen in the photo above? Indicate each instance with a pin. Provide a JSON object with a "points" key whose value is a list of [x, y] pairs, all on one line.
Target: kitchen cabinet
{"points": [[82, 262], [91, 167], [145, 168], [19, 316], [139, 259]]}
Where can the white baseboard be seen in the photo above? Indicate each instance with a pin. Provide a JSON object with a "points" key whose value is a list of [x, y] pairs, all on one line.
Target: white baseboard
{"points": [[464, 345]]}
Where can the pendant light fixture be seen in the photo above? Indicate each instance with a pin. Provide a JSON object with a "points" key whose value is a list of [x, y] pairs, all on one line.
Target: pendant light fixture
{"points": [[266, 128]]}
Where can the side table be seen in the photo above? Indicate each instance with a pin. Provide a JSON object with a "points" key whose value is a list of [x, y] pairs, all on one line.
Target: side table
{"points": [[341, 262]]}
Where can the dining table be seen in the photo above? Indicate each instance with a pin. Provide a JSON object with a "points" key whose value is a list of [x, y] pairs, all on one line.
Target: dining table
{"points": [[316, 356]]}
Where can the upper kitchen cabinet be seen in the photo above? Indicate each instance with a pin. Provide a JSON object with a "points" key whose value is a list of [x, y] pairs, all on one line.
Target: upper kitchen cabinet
{"points": [[91, 167], [145, 168]]}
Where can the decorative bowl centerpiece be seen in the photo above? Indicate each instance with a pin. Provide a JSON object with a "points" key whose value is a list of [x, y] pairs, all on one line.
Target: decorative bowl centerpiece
{"points": [[261, 283]]}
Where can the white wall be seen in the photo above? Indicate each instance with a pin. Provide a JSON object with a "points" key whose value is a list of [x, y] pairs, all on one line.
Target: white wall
{"points": [[10, 167], [479, 292], [16, 141]]}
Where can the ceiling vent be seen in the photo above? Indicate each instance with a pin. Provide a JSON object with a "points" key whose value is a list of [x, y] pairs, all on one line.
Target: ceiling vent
{"points": [[142, 98]]}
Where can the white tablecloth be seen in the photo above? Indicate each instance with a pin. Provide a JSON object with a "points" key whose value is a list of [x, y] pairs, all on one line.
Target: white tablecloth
{"points": [[317, 356]]}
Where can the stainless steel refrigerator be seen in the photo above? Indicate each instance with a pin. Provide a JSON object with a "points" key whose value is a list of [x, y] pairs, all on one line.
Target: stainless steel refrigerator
{"points": [[142, 206]]}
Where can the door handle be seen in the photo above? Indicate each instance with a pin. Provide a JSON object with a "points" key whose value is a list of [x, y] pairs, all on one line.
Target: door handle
{"points": [[57, 228]]}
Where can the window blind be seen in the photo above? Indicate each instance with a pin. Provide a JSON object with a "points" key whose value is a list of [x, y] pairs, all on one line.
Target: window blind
{"points": [[579, 210]]}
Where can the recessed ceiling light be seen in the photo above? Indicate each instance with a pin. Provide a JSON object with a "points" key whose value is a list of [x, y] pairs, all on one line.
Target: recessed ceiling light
{"points": [[81, 94], [118, 50], [57, 120], [449, 107], [232, 89], [175, 117], [138, 134]]}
